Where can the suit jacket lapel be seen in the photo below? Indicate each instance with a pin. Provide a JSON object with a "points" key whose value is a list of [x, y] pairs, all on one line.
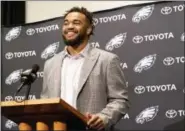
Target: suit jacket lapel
{"points": [[56, 74], [87, 67]]}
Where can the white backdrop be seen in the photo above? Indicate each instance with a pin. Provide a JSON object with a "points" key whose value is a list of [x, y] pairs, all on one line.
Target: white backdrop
{"points": [[42, 10]]}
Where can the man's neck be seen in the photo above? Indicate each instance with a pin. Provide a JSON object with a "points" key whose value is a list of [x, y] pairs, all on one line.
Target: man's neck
{"points": [[74, 50]]}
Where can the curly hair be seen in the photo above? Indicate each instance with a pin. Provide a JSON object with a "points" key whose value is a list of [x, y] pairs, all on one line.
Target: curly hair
{"points": [[84, 11]]}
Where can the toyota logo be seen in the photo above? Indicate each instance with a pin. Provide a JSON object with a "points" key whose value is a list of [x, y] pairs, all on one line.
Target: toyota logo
{"points": [[137, 39], [30, 31], [139, 89], [95, 21], [166, 10], [171, 114], [9, 55], [168, 61], [8, 98]]}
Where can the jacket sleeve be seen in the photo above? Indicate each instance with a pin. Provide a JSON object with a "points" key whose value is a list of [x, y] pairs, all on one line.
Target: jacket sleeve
{"points": [[44, 86], [117, 93]]}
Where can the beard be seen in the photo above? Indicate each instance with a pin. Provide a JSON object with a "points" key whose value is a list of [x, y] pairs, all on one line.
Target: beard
{"points": [[76, 41]]}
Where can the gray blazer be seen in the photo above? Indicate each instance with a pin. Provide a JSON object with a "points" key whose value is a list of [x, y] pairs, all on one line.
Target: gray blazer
{"points": [[102, 86]]}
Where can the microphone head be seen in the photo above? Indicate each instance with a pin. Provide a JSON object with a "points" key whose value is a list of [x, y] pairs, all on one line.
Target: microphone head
{"points": [[35, 68]]}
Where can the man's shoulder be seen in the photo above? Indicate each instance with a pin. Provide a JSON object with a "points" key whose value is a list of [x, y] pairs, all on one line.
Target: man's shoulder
{"points": [[105, 54], [52, 60]]}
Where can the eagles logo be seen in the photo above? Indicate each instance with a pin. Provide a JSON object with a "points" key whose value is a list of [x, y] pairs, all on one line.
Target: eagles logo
{"points": [[143, 14], [116, 42], [13, 33], [50, 50], [13, 77], [10, 124], [147, 115], [145, 63]]}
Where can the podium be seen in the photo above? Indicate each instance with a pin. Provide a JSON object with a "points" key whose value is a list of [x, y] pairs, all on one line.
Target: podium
{"points": [[44, 114]]}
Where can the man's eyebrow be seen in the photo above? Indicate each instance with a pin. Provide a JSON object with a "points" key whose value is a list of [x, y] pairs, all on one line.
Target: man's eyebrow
{"points": [[75, 20]]}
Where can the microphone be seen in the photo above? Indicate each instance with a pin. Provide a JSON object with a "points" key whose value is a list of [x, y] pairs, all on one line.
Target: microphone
{"points": [[29, 76]]}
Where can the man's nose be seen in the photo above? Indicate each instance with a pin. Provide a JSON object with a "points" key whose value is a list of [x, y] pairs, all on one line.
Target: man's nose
{"points": [[70, 26]]}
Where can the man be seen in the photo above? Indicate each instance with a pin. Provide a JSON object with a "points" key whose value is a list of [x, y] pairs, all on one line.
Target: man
{"points": [[87, 78]]}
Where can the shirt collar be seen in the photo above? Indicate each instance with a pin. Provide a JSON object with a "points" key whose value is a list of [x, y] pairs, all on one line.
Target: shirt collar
{"points": [[82, 53]]}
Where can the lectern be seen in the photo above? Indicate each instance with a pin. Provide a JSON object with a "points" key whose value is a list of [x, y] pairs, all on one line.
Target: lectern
{"points": [[44, 114]]}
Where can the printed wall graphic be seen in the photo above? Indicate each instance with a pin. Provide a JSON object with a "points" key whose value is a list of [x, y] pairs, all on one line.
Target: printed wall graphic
{"points": [[149, 40]]}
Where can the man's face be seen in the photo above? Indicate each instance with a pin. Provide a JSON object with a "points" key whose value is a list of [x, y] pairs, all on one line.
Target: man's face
{"points": [[74, 29]]}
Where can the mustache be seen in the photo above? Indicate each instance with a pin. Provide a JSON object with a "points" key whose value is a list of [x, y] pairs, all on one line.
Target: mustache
{"points": [[70, 30]]}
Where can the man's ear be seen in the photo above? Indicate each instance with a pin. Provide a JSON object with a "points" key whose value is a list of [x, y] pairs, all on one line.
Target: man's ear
{"points": [[89, 29]]}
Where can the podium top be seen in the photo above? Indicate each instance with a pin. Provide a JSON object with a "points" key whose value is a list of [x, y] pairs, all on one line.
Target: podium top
{"points": [[41, 107]]}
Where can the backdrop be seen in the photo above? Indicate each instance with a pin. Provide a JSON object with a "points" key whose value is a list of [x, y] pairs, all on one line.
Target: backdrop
{"points": [[148, 38]]}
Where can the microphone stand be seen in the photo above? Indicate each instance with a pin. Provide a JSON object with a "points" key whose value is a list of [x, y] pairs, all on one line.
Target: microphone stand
{"points": [[25, 83], [26, 94], [28, 91], [27, 78]]}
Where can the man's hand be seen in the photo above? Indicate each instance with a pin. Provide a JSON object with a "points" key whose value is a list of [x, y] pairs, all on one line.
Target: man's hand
{"points": [[95, 122]]}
